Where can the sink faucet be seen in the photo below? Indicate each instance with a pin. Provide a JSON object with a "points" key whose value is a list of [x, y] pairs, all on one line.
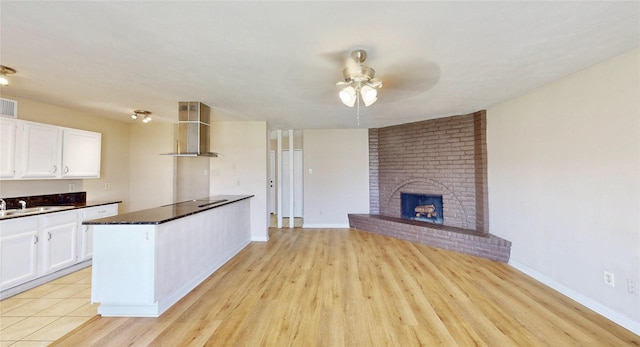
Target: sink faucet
{"points": [[23, 204], [3, 205]]}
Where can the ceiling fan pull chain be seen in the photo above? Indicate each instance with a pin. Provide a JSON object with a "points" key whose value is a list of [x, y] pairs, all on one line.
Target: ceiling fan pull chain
{"points": [[358, 107]]}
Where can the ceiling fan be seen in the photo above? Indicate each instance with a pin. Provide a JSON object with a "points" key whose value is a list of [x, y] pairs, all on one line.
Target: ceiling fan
{"points": [[405, 79], [359, 81]]}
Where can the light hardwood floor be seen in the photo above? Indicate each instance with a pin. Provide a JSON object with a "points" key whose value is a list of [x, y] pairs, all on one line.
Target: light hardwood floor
{"points": [[273, 222], [341, 287]]}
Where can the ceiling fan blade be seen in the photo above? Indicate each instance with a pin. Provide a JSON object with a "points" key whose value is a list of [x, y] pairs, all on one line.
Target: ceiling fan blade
{"points": [[314, 77], [336, 57], [408, 79]]}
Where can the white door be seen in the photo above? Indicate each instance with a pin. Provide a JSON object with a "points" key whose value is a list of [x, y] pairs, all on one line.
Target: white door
{"points": [[297, 183], [272, 182]]}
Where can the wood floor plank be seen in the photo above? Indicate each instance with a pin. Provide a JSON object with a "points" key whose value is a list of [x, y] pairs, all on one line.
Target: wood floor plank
{"points": [[343, 287]]}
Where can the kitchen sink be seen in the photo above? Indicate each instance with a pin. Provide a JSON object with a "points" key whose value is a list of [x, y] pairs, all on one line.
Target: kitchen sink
{"points": [[32, 210]]}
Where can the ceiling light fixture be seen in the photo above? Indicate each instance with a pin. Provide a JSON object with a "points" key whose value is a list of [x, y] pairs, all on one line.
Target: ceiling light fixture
{"points": [[146, 118], [4, 71], [359, 83]]}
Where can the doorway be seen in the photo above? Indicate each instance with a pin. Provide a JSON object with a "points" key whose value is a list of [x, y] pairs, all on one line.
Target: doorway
{"points": [[286, 184]]}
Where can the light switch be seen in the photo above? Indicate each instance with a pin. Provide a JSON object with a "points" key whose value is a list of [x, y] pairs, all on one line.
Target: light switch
{"points": [[310, 171]]}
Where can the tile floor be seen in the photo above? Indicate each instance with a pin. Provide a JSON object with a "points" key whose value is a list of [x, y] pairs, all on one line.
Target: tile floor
{"points": [[41, 315]]}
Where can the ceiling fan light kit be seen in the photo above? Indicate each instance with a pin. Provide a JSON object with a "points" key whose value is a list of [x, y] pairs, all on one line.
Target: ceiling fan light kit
{"points": [[359, 82], [348, 96], [4, 71], [369, 95]]}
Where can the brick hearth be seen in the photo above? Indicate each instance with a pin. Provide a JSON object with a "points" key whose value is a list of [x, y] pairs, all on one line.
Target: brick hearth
{"points": [[443, 156], [441, 236]]}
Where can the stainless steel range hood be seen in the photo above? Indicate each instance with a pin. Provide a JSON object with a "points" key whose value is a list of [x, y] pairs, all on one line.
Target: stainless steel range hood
{"points": [[193, 130]]}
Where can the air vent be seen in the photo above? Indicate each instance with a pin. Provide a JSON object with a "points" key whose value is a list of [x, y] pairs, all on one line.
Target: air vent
{"points": [[8, 108]]}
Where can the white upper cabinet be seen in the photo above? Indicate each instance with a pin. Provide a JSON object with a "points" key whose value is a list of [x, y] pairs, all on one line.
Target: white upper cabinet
{"points": [[7, 148], [39, 150], [81, 153], [31, 150]]}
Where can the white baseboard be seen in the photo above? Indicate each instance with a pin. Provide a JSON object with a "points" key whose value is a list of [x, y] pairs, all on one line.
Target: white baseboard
{"points": [[260, 239], [325, 226], [601, 309]]}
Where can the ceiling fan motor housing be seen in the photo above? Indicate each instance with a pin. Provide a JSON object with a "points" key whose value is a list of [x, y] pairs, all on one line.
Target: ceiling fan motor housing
{"points": [[359, 73]]}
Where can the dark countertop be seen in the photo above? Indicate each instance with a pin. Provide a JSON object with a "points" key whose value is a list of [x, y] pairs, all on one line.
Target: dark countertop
{"points": [[166, 213], [71, 206]]}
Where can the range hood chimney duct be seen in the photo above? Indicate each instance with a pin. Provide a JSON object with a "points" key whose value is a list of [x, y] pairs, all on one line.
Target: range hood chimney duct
{"points": [[193, 130]]}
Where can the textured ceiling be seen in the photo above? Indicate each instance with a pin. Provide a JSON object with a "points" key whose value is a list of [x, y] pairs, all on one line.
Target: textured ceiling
{"points": [[279, 61]]}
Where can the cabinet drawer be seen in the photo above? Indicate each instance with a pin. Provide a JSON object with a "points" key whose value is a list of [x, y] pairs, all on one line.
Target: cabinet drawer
{"points": [[99, 212], [18, 225], [59, 218]]}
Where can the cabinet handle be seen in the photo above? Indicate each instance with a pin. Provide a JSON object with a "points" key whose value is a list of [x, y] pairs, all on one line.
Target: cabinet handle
{"points": [[66, 169], [49, 236], [35, 239], [55, 168]]}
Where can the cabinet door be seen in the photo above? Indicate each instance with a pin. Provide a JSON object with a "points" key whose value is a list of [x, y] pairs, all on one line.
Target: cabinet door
{"points": [[59, 240], [81, 153], [7, 148], [39, 148], [86, 247], [18, 251]]}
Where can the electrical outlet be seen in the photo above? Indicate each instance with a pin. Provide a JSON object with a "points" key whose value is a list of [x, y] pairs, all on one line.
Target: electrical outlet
{"points": [[72, 187], [107, 186], [609, 279], [632, 288]]}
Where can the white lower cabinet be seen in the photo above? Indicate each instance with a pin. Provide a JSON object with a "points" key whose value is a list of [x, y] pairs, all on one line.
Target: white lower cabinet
{"points": [[35, 247], [59, 246], [86, 244], [18, 251]]}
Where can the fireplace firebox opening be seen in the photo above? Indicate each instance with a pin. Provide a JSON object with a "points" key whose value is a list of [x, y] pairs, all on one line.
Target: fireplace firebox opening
{"points": [[422, 207]]}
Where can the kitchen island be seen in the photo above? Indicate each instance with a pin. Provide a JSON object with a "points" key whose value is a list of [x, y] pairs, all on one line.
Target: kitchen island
{"points": [[145, 261]]}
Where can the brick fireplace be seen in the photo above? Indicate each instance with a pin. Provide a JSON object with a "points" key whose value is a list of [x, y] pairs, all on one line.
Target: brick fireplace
{"points": [[444, 157], [422, 207]]}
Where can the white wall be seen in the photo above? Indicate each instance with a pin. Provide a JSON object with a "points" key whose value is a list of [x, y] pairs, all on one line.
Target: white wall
{"points": [[192, 178], [242, 168], [151, 175], [339, 182], [564, 173]]}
